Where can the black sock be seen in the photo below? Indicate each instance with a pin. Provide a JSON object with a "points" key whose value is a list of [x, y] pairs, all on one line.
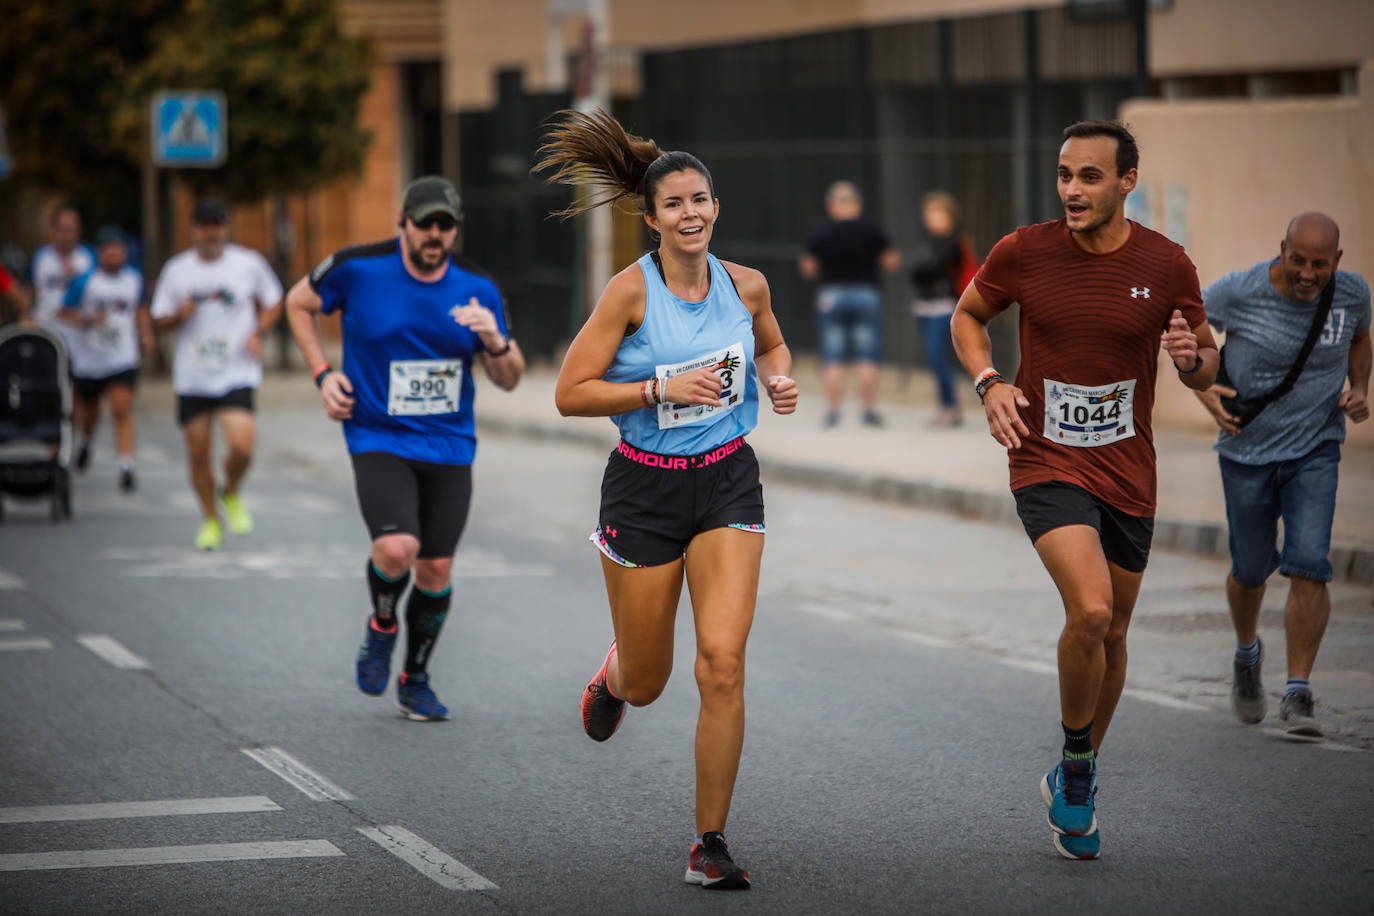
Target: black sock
{"points": [[1078, 742], [425, 613], [385, 593]]}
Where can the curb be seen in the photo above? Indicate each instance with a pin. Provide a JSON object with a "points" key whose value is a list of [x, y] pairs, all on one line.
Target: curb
{"points": [[1354, 565]]}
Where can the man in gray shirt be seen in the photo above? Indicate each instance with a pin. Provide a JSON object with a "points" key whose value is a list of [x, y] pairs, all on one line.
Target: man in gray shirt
{"points": [[1283, 462]]}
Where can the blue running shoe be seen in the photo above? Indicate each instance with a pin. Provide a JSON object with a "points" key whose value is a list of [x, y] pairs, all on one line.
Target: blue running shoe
{"points": [[1078, 847], [1068, 790], [374, 659], [417, 701]]}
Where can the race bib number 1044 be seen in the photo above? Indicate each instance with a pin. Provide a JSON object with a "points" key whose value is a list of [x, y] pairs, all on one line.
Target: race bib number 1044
{"points": [[1086, 417], [728, 364]]}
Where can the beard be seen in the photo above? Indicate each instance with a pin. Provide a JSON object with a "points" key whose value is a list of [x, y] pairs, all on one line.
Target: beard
{"points": [[426, 257]]}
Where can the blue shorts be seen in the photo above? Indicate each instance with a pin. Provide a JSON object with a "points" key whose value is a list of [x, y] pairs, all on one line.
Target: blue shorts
{"points": [[851, 322], [1303, 493]]}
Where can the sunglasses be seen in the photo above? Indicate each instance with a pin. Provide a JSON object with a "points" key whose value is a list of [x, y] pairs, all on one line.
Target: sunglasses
{"points": [[445, 222]]}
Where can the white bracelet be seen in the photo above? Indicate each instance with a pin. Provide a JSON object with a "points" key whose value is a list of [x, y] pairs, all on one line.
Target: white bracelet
{"points": [[986, 373], [662, 387]]}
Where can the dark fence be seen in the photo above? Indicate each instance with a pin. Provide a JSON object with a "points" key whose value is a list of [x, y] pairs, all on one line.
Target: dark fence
{"points": [[973, 106]]}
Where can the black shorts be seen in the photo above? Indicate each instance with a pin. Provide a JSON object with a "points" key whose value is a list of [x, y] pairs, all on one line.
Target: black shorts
{"points": [[403, 496], [653, 505], [1046, 506], [190, 406], [90, 389]]}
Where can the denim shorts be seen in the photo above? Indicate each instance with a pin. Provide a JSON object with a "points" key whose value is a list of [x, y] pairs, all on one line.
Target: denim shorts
{"points": [[1303, 493], [851, 322]]}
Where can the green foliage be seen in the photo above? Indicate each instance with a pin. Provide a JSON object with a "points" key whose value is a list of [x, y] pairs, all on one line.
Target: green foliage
{"points": [[65, 66], [292, 80], [78, 74]]}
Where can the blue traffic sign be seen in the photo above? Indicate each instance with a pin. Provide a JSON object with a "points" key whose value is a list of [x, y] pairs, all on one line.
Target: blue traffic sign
{"points": [[190, 128]]}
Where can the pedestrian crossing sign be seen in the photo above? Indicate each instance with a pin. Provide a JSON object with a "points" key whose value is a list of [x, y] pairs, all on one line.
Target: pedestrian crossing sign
{"points": [[189, 128]]}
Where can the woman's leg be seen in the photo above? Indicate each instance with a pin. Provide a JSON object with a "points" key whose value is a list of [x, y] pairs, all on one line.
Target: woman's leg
{"points": [[723, 578], [643, 611]]}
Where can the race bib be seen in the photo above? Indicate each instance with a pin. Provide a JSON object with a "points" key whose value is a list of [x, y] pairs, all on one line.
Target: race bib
{"points": [[728, 364], [211, 351], [1086, 417], [424, 386], [105, 338]]}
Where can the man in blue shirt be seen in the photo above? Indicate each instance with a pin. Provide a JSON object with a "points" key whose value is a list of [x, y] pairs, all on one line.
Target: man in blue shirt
{"points": [[414, 317], [1282, 463]]}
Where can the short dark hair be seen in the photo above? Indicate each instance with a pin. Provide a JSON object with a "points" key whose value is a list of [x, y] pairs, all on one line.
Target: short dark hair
{"points": [[1127, 153]]}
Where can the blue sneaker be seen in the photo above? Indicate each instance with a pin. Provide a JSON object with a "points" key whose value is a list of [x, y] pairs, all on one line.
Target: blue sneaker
{"points": [[374, 659], [417, 701], [1068, 790]]}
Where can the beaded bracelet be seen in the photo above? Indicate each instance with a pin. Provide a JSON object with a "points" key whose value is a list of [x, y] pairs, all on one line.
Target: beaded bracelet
{"points": [[986, 382]]}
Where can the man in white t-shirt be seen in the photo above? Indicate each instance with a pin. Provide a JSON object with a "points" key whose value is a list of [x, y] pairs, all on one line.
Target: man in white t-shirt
{"points": [[106, 322], [220, 298], [53, 269]]}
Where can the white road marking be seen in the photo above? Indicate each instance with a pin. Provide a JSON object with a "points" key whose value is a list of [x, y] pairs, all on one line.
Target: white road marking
{"points": [[110, 649], [430, 861], [1320, 743], [101, 810], [10, 623], [167, 855], [297, 774], [1163, 699], [9, 582], [292, 561], [24, 645]]}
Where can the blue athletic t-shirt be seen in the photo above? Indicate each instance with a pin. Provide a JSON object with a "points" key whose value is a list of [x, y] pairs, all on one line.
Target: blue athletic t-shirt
{"points": [[409, 361], [678, 336]]}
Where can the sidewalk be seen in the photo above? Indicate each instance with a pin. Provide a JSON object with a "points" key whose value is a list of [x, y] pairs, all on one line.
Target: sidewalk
{"points": [[959, 470]]}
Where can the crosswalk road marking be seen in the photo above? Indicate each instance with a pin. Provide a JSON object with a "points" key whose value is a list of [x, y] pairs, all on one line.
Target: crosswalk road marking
{"points": [[297, 774], [24, 645], [110, 649], [102, 810], [293, 561], [428, 860], [11, 623], [9, 582], [167, 855]]}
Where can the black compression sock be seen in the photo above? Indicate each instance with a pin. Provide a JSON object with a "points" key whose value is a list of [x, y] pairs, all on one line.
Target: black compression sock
{"points": [[385, 593], [1078, 742], [425, 614]]}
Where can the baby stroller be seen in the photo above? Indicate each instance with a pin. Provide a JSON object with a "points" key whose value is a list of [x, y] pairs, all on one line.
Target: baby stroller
{"points": [[35, 418]]}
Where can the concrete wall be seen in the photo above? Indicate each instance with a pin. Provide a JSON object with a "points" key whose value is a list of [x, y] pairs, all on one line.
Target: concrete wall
{"points": [[1224, 177], [1239, 36]]}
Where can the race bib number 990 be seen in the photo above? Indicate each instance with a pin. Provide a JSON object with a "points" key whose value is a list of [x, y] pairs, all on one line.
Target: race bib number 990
{"points": [[728, 364], [1086, 417], [424, 386]]}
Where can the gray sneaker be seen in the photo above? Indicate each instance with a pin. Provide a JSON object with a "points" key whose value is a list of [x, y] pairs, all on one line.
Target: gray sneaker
{"points": [[1247, 693], [1295, 712]]}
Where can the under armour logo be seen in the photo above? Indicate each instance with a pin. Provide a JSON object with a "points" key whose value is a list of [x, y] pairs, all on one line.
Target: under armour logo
{"points": [[611, 531], [1141, 292]]}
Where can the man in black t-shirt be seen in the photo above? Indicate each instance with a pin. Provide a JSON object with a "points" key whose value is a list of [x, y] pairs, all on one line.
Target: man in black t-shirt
{"points": [[846, 255]]}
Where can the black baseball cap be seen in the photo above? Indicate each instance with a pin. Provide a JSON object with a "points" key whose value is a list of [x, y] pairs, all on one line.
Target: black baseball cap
{"points": [[430, 195], [110, 233], [209, 212]]}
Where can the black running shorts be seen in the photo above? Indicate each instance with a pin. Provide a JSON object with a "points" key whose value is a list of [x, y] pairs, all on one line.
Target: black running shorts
{"points": [[190, 406], [653, 505], [89, 390], [402, 496], [1046, 506]]}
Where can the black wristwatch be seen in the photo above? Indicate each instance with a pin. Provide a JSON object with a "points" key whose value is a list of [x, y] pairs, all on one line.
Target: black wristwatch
{"points": [[1196, 366], [504, 350]]}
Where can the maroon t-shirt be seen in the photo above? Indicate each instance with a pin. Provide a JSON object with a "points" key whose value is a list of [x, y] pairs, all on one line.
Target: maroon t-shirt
{"points": [[1090, 326]]}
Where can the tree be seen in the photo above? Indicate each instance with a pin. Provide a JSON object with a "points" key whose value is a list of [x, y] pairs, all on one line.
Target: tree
{"points": [[292, 80], [66, 65]]}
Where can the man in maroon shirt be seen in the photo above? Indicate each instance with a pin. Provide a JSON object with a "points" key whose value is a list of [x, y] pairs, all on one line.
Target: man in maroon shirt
{"points": [[1098, 294]]}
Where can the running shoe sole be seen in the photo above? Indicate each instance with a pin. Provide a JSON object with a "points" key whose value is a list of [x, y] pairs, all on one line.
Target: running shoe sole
{"points": [[598, 704], [414, 716], [735, 881]]}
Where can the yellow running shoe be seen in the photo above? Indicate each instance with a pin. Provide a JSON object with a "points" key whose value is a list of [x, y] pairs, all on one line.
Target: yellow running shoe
{"points": [[210, 536], [236, 513]]}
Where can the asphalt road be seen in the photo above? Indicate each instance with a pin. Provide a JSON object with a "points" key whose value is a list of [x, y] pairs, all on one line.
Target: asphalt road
{"points": [[902, 708]]}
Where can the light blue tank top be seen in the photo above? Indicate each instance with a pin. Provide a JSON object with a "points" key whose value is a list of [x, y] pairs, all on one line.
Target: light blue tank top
{"points": [[678, 336]]}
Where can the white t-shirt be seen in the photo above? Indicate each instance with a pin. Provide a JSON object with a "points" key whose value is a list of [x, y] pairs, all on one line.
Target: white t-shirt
{"points": [[111, 346], [212, 358], [51, 274]]}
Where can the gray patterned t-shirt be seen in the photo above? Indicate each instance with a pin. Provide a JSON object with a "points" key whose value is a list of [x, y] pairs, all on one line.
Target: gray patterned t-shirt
{"points": [[1264, 332]]}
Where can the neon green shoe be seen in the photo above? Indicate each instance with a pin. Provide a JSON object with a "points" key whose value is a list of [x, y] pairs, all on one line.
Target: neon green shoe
{"points": [[236, 513], [210, 536]]}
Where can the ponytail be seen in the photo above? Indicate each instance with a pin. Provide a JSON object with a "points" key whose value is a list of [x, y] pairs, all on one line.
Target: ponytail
{"points": [[592, 150]]}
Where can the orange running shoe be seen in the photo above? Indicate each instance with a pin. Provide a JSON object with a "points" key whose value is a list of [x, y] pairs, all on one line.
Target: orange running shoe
{"points": [[601, 711]]}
